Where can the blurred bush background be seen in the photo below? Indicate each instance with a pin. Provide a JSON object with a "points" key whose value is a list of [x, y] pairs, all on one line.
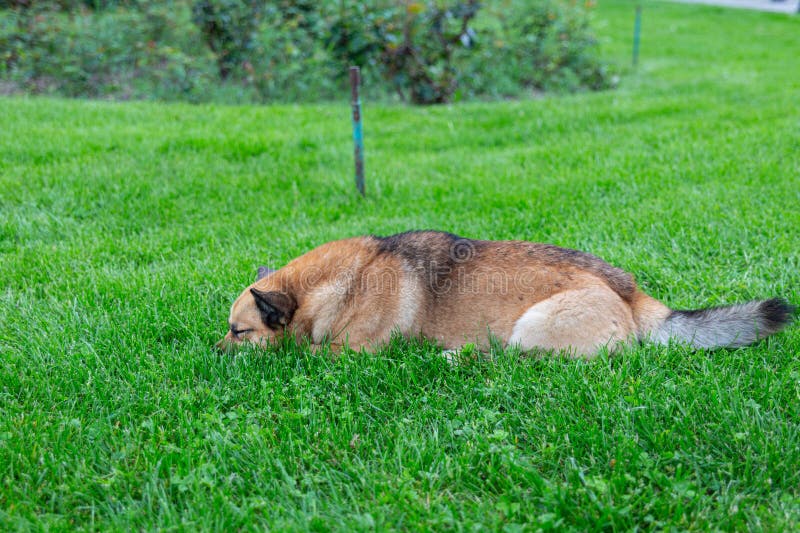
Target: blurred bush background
{"points": [[422, 52]]}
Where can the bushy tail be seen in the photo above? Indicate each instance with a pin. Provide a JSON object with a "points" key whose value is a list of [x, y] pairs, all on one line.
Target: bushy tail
{"points": [[728, 326]]}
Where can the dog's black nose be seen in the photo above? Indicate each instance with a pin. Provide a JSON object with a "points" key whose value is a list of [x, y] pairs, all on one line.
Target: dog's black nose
{"points": [[223, 346]]}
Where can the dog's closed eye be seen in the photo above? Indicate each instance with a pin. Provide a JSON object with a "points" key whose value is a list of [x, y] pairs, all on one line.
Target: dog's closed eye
{"points": [[237, 332]]}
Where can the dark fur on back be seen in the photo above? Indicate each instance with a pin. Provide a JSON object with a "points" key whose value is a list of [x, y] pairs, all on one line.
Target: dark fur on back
{"points": [[620, 281], [432, 254], [437, 253], [420, 247]]}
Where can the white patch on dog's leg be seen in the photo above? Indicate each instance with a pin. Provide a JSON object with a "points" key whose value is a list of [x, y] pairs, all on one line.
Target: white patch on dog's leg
{"points": [[451, 356]]}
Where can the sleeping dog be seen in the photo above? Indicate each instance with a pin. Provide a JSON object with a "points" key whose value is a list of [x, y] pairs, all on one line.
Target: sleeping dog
{"points": [[357, 292]]}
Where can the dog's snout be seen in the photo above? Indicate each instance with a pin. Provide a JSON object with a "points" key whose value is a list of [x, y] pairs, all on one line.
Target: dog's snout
{"points": [[225, 344]]}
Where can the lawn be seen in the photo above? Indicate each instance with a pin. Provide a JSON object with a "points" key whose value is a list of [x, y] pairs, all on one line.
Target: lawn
{"points": [[127, 229]]}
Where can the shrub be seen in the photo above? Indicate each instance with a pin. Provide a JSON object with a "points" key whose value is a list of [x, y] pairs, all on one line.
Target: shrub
{"points": [[432, 50], [553, 46], [229, 29], [117, 52], [292, 61], [426, 52], [412, 44]]}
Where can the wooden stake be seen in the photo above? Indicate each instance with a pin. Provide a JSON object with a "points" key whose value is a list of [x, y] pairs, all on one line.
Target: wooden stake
{"points": [[358, 136]]}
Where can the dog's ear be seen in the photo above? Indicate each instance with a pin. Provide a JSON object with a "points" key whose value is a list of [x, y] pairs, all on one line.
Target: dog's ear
{"points": [[276, 308], [263, 272]]}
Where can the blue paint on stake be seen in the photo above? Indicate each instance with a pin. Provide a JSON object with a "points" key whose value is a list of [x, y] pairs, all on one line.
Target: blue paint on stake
{"points": [[358, 136], [637, 30]]}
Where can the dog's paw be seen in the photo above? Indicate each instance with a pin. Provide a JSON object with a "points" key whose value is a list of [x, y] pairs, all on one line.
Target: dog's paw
{"points": [[458, 356], [453, 357]]}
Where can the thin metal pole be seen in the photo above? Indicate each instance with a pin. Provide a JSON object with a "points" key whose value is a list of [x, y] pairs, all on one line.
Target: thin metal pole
{"points": [[358, 137], [637, 30]]}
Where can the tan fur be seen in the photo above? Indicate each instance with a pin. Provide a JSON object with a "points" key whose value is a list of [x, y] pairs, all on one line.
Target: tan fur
{"points": [[569, 321], [359, 291]]}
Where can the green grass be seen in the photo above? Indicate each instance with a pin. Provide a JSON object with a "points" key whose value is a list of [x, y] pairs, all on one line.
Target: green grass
{"points": [[127, 229]]}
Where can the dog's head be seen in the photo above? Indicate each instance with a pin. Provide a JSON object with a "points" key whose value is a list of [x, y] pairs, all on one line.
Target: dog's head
{"points": [[260, 314]]}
